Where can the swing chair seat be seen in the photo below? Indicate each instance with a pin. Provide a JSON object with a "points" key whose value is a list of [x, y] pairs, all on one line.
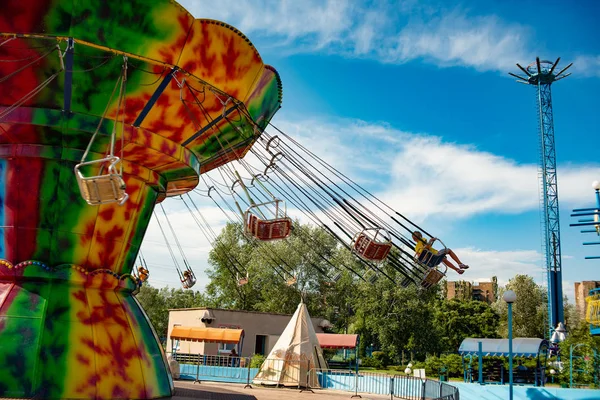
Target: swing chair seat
{"points": [[102, 189], [188, 283], [370, 249], [188, 279], [242, 281], [431, 260], [432, 278], [266, 230]]}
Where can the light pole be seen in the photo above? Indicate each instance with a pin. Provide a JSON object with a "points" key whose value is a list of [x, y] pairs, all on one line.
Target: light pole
{"points": [[509, 297]]}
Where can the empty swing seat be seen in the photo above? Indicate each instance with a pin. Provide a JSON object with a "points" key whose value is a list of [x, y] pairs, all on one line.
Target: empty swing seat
{"points": [[432, 277], [265, 230], [370, 249], [102, 189]]}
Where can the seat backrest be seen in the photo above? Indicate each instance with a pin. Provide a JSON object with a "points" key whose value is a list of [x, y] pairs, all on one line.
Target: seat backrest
{"points": [[370, 249], [271, 229]]}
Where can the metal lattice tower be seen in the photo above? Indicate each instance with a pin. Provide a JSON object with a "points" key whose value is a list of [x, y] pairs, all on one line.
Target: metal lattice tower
{"points": [[541, 75]]}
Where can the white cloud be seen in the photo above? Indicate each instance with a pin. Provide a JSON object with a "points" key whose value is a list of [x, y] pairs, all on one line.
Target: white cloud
{"points": [[587, 65], [390, 33], [421, 175], [502, 264], [484, 43]]}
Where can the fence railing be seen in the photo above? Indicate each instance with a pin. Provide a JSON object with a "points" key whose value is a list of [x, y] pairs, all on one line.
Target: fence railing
{"points": [[303, 374], [398, 386]]}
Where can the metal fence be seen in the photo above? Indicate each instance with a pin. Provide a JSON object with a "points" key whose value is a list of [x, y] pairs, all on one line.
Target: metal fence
{"points": [[200, 367], [302, 374], [396, 386]]}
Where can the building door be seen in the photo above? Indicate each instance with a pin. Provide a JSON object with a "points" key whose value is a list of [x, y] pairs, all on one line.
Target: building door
{"points": [[261, 344]]}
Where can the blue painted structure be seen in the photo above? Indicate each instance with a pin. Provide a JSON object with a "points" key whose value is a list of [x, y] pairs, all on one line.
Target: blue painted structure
{"points": [[215, 373], [541, 75], [521, 347], [592, 219]]}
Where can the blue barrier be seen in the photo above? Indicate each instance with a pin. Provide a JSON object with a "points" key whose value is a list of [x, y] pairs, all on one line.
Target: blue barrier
{"points": [[216, 373]]}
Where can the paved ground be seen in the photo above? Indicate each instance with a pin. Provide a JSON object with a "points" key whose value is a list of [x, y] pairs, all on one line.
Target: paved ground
{"points": [[232, 391]]}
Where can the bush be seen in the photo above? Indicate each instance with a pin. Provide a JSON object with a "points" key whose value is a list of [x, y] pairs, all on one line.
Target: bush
{"points": [[382, 358], [371, 362], [432, 366], [454, 364], [257, 360]]}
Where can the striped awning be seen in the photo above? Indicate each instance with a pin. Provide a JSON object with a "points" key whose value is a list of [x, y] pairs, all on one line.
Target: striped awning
{"points": [[209, 335], [524, 347], [337, 341]]}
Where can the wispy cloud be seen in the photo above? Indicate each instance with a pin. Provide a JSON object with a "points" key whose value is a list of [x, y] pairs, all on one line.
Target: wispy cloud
{"points": [[484, 43], [421, 175], [389, 33], [502, 264], [587, 65]]}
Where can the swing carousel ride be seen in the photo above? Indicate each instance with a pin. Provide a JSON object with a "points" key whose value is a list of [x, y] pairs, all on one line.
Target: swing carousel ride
{"points": [[106, 109]]}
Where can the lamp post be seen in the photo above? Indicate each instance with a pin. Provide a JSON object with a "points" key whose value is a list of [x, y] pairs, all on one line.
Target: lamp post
{"points": [[509, 297]]}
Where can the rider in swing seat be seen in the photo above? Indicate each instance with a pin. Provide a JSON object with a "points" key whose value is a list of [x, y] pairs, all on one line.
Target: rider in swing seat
{"points": [[188, 279], [422, 244], [143, 274]]}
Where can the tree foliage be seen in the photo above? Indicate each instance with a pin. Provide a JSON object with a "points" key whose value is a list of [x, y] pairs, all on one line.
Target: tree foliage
{"points": [[457, 320], [529, 310]]}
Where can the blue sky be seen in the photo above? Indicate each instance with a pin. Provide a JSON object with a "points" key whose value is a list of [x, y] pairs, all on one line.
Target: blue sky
{"points": [[412, 100]]}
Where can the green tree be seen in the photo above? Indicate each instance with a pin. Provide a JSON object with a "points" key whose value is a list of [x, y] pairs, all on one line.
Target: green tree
{"points": [[458, 320], [529, 310], [401, 319]]}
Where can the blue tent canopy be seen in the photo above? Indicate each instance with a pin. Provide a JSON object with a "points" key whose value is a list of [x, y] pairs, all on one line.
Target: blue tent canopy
{"points": [[522, 347]]}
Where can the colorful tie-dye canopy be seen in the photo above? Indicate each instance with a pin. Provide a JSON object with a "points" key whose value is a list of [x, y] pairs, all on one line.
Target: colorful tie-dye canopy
{"points": [[193, 86], [197, 95]]}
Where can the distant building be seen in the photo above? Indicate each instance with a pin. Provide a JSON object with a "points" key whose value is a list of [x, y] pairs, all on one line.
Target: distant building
{"points": [[463, 290], [582, 289], [261, 329]]}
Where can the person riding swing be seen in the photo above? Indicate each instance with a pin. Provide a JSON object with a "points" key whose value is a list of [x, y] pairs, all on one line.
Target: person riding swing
{"points": [[423, 245]]}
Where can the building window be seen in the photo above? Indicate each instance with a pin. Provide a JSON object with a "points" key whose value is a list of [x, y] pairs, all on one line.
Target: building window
{"points": [[225, 348]]}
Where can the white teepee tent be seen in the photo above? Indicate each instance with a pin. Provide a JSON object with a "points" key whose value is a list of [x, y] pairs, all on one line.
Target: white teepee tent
{"points": [[296, 356]]}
